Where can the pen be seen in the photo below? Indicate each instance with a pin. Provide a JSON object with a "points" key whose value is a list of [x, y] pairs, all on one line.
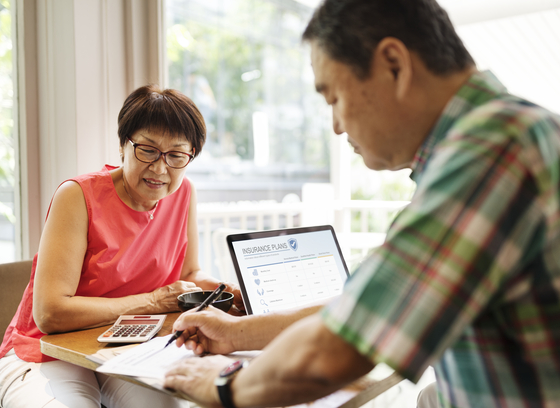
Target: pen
{"points": [[209, 300]]}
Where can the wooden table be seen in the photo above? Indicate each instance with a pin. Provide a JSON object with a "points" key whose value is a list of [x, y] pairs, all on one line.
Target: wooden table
{"points": [[74, 347]]}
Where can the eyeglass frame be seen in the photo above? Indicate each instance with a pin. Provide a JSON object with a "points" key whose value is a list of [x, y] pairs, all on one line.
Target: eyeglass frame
{"points": [[164, 154]]}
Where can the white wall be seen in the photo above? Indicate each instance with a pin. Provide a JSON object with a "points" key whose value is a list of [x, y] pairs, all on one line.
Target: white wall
{"points": [[463, 12]]}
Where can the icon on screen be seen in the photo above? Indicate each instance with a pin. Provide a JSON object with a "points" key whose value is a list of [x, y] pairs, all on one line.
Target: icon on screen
{"points": [[264, 303], [258, 281], [292, 242], [260, 292], [255, 273]]}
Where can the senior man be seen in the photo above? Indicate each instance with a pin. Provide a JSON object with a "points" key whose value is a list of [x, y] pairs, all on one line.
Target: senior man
{"points": [[468, 279]]}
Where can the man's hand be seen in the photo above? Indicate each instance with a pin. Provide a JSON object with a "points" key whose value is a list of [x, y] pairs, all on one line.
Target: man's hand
{"points": [[305, 362], [208, 331], [194, 377]]}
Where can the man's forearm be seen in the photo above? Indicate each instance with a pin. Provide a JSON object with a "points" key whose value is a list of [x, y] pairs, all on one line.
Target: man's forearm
{"points": [[256, 331], [303, 363]]}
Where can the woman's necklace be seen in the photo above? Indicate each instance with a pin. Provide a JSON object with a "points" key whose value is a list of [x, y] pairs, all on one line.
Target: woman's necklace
{"points": [[150, 213]]}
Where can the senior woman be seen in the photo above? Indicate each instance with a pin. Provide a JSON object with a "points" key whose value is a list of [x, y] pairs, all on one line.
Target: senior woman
{"points": [[119, 241]]}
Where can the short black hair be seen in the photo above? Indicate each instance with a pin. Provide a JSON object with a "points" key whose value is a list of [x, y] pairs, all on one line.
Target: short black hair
{"points": [[167, 111], [350, 30]]}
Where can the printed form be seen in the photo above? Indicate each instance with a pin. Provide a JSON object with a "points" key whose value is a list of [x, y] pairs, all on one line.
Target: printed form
{"points": [[148, 360]]}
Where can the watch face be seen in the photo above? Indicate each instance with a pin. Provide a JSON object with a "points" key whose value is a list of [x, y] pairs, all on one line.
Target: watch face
{"points": [[232, 368]]}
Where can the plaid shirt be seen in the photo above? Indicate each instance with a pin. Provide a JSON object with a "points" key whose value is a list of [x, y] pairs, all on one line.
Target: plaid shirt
{"points": [[468, 279]]}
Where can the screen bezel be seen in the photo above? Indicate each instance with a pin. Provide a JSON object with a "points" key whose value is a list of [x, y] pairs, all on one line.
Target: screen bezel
{"points": [[273, 233]]}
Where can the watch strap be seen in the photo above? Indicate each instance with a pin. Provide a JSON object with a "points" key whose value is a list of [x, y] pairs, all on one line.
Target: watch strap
{"points": [[224, 392], [223, 383]]}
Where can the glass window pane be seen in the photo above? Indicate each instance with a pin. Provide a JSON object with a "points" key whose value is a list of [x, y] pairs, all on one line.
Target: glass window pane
{"points": [[378, 185], [243, 64], [7, 150]]}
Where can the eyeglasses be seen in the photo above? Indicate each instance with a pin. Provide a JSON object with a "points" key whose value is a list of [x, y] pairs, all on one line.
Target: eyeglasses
{"points": [[150, 154]]}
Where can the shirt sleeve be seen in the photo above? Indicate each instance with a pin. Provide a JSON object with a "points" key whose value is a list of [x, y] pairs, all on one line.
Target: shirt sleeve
{"points": [[446, 255]]}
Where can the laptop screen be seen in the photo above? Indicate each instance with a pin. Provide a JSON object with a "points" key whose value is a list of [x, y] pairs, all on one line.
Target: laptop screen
{"points": [[288, 268]]}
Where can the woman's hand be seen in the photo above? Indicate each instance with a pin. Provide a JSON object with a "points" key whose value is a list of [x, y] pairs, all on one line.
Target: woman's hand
{"points": [[165, 298], [239, 307]]}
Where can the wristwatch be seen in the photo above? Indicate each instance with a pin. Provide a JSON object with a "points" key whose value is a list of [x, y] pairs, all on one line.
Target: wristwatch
{"points": [[223, 381]]}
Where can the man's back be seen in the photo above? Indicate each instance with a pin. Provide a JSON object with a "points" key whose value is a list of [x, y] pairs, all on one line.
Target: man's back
{"points": [[467, 274], [513, 345]]}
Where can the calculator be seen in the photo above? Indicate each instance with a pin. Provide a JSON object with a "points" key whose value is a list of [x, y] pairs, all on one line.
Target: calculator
{"points": [[133, 329]]}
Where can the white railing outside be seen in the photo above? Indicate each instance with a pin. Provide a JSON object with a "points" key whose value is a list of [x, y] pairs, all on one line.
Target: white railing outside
{"points": [[360, 225]]}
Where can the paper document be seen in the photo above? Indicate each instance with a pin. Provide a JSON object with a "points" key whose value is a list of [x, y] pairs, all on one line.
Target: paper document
{"points": [[148, 363], [148, 360], [106, 354]]}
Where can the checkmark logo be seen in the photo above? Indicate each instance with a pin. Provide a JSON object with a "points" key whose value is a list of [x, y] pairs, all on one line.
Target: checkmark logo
{"points": [[292, 242]]}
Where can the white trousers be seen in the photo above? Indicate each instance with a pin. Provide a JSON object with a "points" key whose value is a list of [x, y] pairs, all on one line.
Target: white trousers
{"points": [[58, 384]]}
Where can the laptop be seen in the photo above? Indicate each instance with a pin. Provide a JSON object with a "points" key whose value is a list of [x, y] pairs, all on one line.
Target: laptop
{"points": [[287, 268]]}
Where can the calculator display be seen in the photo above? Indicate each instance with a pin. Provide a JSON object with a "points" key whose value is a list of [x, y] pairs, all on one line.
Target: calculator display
{"points": [[138, 321]]}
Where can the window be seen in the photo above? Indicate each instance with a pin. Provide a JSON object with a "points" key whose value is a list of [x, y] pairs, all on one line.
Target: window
{"points": [[269, 132], [243, 64], [7, 139]]}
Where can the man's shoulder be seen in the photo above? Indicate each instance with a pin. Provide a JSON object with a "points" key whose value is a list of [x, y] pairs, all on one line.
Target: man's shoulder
{"points": [[506, 130], [506, 116]]}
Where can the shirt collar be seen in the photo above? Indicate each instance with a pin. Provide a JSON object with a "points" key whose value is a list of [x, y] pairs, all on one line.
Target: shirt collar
{"points": [[479, 89]]}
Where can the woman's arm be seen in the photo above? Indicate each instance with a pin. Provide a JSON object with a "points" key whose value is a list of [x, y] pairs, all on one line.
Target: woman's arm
{"points": [[61, 254]]}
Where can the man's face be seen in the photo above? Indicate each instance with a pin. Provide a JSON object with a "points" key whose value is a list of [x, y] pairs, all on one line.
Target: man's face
{"points": [[366, 110]]}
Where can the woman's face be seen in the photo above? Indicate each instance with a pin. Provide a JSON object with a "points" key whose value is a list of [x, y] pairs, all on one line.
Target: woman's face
{"points": [[147, 183]]}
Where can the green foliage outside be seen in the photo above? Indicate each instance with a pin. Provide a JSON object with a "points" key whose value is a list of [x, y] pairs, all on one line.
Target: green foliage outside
{"points": [[210, 51], [7, 158], [198, 70], [211, 48]]}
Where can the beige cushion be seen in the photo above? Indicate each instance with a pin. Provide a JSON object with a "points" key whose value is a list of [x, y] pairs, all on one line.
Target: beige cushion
{"points": [[14, 277]]}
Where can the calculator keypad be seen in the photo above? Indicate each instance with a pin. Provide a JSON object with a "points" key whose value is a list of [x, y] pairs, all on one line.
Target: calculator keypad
{"points": [[127, 330], [132, 330], [124, 331]]}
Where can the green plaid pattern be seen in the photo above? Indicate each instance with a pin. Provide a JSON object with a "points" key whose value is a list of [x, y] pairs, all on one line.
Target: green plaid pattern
{"points": [[468, 279]]}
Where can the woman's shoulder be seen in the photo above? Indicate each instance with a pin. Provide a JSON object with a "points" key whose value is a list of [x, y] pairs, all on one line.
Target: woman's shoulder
{"points": [[68, 199], [182, 196], [96, 184], [186, 187], [86, 188], [68, 190], [101, 175]]}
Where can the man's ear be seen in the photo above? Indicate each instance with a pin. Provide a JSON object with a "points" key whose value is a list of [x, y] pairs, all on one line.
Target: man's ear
{"points": [[393, 57]]}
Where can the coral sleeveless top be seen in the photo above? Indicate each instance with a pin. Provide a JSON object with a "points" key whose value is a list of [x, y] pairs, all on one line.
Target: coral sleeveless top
{"points": [[128, 253]]}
